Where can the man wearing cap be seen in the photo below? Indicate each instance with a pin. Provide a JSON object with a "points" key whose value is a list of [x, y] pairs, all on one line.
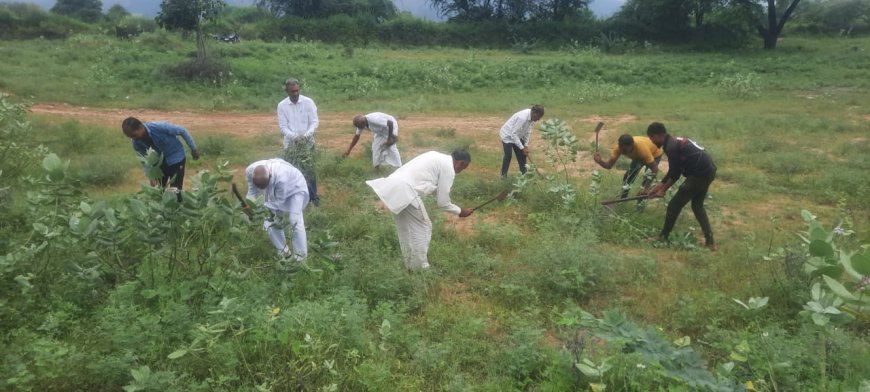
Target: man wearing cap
{"points": [[285, 194], [642, 152], [386, 131], [401, 192]]}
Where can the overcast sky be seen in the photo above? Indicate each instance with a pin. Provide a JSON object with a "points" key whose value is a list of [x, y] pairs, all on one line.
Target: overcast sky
{"points": [[420, 8]]}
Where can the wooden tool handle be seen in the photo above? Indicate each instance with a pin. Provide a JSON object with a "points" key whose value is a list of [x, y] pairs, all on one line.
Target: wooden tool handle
{"points": [[238, 195], [614, 201]]}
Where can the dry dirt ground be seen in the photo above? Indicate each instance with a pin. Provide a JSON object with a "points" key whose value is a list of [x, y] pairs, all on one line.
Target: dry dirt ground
{"points": [[335, 128]]}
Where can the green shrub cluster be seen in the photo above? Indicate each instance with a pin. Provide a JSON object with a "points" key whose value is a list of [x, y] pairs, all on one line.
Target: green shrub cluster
{"points": [[28, 21], [140, 292]]}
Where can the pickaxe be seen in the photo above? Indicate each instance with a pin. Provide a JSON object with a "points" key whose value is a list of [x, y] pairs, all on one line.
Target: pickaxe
{"points": [[538, 172], [597, 130], [235, 190], [614, 201], [501, 196]]}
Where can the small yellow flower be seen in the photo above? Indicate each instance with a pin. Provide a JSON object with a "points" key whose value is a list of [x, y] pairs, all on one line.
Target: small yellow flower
{"points": [[750, 386], [275, 311]]}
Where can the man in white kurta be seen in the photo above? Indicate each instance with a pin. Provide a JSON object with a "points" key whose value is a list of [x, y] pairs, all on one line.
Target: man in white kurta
{"points": [[386, 131], [286, 195], [297, 120], [515, 135], [401, 192]]}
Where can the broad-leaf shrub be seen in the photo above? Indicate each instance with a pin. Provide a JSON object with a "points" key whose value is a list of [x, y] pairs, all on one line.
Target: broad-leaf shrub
{"points": [[672, 364], [842, 287], [16, 154]]}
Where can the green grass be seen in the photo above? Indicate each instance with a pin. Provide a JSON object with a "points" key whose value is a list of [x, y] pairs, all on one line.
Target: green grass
{"points": [[490, 315], [102, 71]]}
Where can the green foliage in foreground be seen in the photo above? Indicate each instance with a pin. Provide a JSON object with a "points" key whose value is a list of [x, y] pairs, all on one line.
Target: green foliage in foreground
{"points": [[145, 293]]}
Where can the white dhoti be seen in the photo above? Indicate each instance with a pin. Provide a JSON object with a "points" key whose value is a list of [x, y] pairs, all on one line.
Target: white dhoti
{"points": [[382, 153], [415, 233], [295, 222]]}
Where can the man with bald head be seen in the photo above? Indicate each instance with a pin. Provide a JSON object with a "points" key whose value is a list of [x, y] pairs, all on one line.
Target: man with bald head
{"points": [[386, 130], [285, 194]]}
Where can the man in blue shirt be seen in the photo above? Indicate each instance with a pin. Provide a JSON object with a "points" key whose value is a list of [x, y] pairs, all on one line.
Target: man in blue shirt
{"points": [[163, 138]]}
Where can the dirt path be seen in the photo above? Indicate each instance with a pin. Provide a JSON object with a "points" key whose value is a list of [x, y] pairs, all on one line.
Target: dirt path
{"points": [[481, 129], [335, 129]]}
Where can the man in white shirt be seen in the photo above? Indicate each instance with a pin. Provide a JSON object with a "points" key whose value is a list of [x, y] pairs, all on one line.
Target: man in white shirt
{"points": [[515, 135], [401, 192], [297, 119], [386, 131], [285, 195]]}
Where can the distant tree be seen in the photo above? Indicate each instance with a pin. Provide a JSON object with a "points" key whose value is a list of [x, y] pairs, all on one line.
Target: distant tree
{"points": [[560, 9], [837, 16], [188, 15], [117, 12], [655, 19], [85, 10], [512, 10], [468, 10], [700, 8], [771, 27], [380, 9]]}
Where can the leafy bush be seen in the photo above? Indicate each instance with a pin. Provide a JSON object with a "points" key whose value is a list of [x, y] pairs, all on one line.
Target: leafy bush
{"points": [[99, 171], [216, 145], [566, 268], [595, 92], [613, 43], [28, 21], [130, 26], [740, 85], [673, 364], [524, 358], [205, 70], [16, 153]]}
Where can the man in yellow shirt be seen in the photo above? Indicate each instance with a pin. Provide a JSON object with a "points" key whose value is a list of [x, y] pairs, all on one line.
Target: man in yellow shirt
{"points": [[642, 152]]}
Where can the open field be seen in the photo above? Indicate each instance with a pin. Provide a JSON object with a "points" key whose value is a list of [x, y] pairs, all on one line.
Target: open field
{"points": [[788, 129]]}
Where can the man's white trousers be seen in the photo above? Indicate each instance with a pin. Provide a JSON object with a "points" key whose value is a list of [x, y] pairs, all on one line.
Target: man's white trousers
{"points": [[382, 153], [295, 225], [415, 232]]}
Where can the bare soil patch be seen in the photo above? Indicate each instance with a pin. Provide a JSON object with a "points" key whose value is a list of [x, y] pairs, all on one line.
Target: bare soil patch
{"points": [[336, 130], [483, 129]]}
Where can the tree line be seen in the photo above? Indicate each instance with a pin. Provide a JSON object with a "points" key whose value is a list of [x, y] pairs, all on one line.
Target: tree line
{"points": [[487, 23]]}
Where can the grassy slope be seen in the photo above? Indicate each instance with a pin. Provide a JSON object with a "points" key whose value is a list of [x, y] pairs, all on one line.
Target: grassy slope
{"points": [[801, 144]]}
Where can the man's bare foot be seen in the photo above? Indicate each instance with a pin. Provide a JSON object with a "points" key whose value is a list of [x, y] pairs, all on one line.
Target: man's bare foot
{"points": [[712, 247]]}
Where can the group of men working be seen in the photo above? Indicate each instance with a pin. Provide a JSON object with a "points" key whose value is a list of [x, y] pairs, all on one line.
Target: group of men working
{"points": [[289, 184], [686, 158]]}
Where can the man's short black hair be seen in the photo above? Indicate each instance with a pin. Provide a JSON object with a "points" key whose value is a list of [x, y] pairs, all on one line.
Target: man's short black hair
{"points": [[130, 124], [538, 109], [656, 128], [626, 140], [461, 155]]}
